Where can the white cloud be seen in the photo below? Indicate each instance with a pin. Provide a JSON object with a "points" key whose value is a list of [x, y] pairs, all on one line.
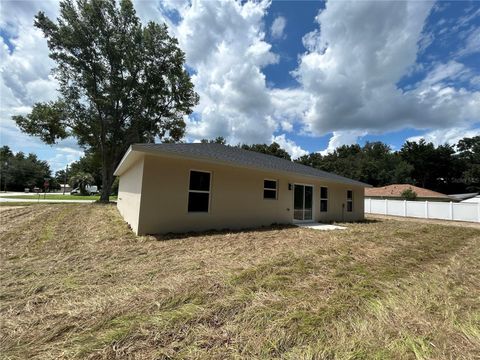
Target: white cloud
{"points": [[353, 65], [472, 44], [452, 70], [446, 136], [293, 149], [25, 78], [278, 27], [339, 138], [228, 58]]}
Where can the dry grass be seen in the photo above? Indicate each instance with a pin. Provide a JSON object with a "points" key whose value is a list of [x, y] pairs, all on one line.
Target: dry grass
{"points": [[75, 283]]}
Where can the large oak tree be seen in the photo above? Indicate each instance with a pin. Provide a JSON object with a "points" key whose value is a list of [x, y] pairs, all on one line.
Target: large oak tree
{"points": [[120, 82]]}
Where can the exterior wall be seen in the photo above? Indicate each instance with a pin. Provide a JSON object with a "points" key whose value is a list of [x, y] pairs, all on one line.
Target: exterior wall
{"points": [[236, 198], [130, 194]]}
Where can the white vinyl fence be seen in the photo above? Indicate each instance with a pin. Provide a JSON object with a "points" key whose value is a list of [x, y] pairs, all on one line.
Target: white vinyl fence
{"points": [[424, 209]]}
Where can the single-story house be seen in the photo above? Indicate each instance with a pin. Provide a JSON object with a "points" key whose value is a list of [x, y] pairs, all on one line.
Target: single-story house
{"points": [[463, 197], [194, 187], [472, 200], [394, 192]]}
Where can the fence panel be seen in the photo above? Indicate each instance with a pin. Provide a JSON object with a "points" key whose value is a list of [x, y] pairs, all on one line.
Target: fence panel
{"points": [[439, 210], [424, 209], [396, 207], [416, 209], [378, 206], [465, 212]]}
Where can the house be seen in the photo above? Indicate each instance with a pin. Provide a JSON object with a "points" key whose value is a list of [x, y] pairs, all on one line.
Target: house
{"points": [[65, 188], [472, 200], [393, 192], [194, 187], [463, 197]]}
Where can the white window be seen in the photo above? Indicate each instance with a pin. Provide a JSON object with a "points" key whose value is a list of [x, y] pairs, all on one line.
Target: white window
{"points": [[270, 189], [349, 200], [323, 199], [199, 191]]}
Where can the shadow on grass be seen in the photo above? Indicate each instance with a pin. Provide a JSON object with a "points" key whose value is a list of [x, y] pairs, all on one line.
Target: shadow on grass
{"points": [[177, 236]]}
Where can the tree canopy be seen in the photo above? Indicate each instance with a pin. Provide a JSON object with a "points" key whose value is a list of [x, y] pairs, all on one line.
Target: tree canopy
{"points": [[120, 82], [374, 163], [20, 171], [272, 149], [445, 168]]}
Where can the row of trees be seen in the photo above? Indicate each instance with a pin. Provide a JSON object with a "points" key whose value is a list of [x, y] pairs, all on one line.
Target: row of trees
{"points": [[20, 171], [445, 168]]}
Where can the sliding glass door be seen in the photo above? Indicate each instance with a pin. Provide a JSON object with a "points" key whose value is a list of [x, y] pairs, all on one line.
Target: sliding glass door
{"points": [[303, 203]]}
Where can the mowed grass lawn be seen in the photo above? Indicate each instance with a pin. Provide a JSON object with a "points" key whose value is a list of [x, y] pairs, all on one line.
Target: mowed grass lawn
{"points": [[76, 283]]}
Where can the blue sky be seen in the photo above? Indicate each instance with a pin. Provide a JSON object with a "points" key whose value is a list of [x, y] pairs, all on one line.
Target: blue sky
{"points": [[311, 75]]}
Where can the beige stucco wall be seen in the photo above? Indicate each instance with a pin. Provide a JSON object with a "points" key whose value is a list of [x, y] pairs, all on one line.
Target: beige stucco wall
{"points": [[130, 194], [236, 199]]}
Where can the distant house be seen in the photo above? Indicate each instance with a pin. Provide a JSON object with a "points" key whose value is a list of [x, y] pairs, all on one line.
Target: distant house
{"points": [[394, 192], [65, 188], [464, 197], [472, 200], [193, 187]]}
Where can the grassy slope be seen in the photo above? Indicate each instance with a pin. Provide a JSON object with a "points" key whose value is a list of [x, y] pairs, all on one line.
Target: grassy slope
{"points": [[75, 282], [57, 197]]}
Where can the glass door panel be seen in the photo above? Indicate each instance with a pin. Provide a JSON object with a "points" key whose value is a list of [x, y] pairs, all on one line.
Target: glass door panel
{"points": [[298, 198], [303, 202], [308, 203]]}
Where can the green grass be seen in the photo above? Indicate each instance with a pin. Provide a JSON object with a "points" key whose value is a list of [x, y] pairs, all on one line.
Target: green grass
{"points": [[56, 197], [76, 283]]}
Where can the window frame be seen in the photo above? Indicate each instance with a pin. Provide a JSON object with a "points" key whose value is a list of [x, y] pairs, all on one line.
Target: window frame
{"points": [[209, 192], [350, 200], [270, 189], [323, 199]]}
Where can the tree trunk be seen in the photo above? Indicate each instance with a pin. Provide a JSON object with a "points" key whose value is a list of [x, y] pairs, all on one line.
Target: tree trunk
{"points": [[106, 189], [107, 179]]}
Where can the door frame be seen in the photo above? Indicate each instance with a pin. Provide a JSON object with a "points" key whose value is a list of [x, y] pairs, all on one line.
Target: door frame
{"points": [[313, 203]]}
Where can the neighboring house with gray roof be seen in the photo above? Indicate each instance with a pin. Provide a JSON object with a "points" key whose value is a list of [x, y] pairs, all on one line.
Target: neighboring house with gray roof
{"points": [[194, 187]]}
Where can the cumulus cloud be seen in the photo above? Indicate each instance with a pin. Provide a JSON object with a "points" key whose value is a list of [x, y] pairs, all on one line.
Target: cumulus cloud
{"points": [[293, 149], [345, 137], [228, 59], [355, 60], [446, 136], [278, 27], [25, 78]]}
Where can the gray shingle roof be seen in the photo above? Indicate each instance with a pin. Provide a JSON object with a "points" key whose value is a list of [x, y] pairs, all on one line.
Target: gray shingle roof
{"points": [[240, 157]]}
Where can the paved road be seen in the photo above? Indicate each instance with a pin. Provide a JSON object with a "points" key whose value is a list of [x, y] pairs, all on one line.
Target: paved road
{"points": [[6, 197]]}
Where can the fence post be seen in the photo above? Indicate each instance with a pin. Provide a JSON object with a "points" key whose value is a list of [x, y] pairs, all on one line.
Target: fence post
{"points": [[370, 205], [426, 209], [405, 208], [451, 210], [386, 206]]}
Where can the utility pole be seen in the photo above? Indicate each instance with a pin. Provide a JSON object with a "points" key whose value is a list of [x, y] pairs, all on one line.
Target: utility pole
{"points": [[65, 180]]}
